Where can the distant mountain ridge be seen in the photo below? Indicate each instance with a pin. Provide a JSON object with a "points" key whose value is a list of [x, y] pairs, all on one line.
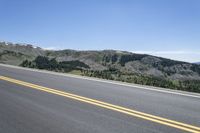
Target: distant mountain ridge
{"points": [[197, 63], [109, 64]]}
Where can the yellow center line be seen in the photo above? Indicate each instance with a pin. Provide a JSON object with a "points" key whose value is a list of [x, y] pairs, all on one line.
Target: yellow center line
{"points": [[153, 118]]}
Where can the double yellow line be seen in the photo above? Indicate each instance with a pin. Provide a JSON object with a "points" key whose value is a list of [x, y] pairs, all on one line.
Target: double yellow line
{"points": [[156, 119]]}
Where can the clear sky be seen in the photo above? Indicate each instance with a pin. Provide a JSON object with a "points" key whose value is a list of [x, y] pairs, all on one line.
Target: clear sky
{"points": [[168, 28]]}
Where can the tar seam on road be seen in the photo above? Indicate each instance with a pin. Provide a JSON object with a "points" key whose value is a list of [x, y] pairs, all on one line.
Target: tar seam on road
{"points": [[145, 116]]}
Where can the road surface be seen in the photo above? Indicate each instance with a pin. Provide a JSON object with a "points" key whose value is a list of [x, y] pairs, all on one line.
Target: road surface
{"points": [[33, 101]]}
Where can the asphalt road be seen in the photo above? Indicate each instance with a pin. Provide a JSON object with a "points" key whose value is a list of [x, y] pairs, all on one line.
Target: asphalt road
{"points": [[27, 110]]}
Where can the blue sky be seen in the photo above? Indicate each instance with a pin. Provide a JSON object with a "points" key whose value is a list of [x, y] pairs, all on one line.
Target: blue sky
{"points": [[168, 28]]}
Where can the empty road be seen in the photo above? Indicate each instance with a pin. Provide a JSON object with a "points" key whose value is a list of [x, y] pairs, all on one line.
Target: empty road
{"points": [[33, 101]]}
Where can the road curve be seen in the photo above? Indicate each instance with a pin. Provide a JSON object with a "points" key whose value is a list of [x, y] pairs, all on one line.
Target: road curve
{"points": [[67, 107]]}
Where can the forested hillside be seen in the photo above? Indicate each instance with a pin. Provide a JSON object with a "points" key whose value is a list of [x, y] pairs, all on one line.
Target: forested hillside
{"points": [[107, 64]]}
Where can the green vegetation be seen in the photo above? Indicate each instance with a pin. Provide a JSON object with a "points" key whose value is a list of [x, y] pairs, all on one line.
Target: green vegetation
{"points": [[196, 68], [110, 58], [10, 53], [42, 62], [186, 85], [130, 57], [76, 72], [168, 62]]}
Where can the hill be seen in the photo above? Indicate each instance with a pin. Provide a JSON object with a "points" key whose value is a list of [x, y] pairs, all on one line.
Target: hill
{"points": [[108, 64], [14, 54]]}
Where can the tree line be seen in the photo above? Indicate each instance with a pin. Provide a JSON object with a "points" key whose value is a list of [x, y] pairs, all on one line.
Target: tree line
{"points": [[42, 62], [186, 85]]}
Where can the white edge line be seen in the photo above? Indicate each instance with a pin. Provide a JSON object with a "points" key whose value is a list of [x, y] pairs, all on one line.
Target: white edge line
{"points": [[152, 88]]}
